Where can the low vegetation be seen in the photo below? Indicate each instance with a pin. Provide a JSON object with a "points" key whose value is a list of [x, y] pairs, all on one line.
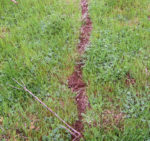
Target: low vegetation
{"points": [[117, 71], [38, 40]]}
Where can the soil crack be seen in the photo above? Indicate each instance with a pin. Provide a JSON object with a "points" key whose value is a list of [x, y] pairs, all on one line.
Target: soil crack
{"points": [[75, 81]]}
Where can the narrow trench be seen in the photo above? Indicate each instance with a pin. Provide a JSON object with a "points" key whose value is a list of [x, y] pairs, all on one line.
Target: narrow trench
{"points": [[75, 81]]}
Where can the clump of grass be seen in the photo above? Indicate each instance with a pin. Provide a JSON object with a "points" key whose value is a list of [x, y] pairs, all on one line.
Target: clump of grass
{"points": [[119, 47], [37, 44]]}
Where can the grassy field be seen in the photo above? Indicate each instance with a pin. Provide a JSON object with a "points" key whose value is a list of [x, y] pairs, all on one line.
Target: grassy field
{"points": [[38, 40], [117, 71]]}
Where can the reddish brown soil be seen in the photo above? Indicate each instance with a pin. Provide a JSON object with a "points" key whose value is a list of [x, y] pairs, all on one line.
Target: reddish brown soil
{"points": [[86, 27], [130, 80], [77, 85], [75, 81]]}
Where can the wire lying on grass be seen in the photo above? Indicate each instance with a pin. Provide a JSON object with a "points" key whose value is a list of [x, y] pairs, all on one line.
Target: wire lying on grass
{"points": [[71, 130]]}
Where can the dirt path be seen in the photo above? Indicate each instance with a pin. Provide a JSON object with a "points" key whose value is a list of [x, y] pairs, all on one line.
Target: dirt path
{"points": [[75, 81]]}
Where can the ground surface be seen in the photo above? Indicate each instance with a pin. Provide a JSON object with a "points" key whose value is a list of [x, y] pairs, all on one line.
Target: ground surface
{"points": [[38, 42], [87, 60], [117, 71]]}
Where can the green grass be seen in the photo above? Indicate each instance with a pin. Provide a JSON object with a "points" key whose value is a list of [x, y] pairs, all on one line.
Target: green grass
{"points": [[38, 41], [120, 45]]}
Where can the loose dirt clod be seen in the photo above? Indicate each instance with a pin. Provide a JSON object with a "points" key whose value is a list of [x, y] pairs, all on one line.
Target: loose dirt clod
{"points": [[130, 80], [75, 81]]}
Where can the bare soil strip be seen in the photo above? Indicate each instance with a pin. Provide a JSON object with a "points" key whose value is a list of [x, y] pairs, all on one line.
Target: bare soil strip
{"points": [[75, 81]]}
